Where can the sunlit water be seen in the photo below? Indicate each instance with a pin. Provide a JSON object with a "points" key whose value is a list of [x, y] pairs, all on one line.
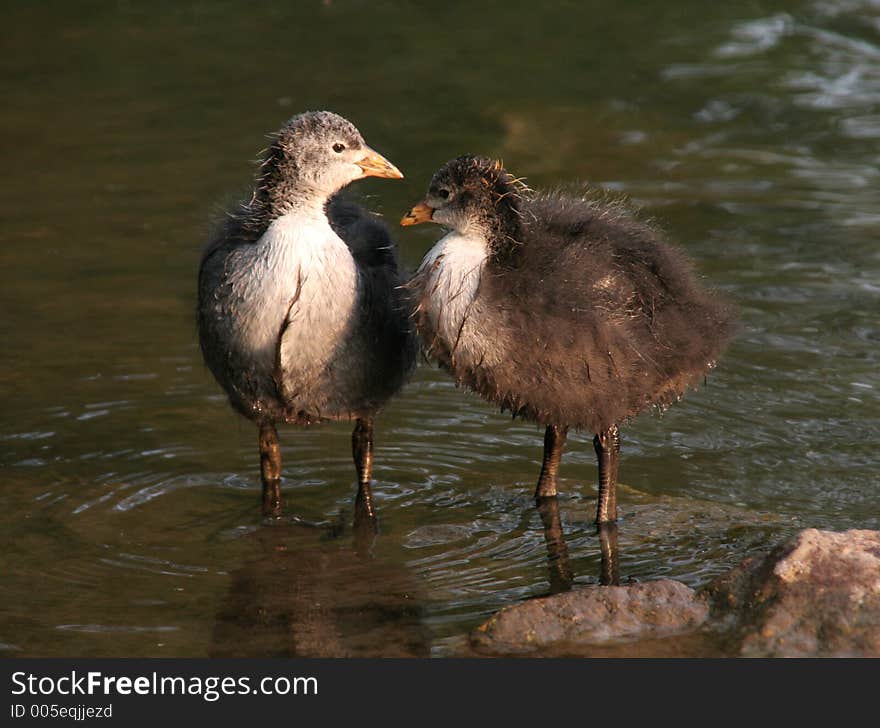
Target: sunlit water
{"points": [[130, 521]]}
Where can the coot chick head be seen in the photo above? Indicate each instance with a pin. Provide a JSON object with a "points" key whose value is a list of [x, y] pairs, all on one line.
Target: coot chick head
{"points": [[317, 153], [473, 195]]}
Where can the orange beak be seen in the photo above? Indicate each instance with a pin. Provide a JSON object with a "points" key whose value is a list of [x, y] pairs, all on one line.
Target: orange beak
{"points": [[374, 164], [422, 212]]}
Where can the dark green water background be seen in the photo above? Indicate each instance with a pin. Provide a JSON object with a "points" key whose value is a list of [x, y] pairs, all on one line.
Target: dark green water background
{"points": [[129, 501]]}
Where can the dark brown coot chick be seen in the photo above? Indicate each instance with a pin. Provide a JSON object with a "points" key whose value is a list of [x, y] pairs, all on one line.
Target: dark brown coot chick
{"points": [[301, 314], [560, 310]]}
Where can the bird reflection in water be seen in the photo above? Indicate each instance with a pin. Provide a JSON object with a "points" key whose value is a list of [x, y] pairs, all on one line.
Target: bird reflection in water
{"points": [[321, 593], [561, 575], [365, 527]]}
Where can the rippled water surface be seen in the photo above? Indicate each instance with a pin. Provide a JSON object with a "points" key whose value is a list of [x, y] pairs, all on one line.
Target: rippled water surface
{"points": [[129, 520]]}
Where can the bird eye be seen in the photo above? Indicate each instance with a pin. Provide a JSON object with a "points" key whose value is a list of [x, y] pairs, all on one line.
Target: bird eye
{"points": [[444, 193], [339, 147]]}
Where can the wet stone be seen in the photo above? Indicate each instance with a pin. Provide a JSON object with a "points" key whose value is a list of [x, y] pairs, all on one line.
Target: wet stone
{"points": [[593, 616], [816, 595]]}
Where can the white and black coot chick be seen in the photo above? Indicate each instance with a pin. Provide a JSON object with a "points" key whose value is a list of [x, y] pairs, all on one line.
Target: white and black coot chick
{"points": [[563, 311], [301, 316]]}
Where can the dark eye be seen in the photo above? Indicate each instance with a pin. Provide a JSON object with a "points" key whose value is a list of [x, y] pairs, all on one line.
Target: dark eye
{"points": [[339, 147], [444, 193]]}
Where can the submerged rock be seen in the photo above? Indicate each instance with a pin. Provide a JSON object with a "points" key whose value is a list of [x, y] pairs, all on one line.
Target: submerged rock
{"points": [[817, 595], [594, 615]]}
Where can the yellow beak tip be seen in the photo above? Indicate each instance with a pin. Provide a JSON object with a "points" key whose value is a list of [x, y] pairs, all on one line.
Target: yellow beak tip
{"points": [[419, 214], [375, 165]]}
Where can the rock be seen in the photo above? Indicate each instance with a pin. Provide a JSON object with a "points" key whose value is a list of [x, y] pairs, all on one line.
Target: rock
{"points": [[593, 616], [817, 595]]}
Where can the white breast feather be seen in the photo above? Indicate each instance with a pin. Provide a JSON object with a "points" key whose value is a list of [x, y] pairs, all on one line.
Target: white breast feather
{"points": [[297, 254], [455, 265]]}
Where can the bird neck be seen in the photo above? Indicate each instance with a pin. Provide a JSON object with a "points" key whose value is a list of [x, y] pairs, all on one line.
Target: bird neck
{"points": [[281, 190], [503, 231], [253, 218]]}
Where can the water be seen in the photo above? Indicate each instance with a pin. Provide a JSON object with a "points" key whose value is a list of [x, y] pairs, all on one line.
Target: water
{"points": [[749, 131]]}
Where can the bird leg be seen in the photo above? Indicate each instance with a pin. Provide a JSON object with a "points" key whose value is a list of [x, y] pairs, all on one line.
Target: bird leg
{"points": [[365, 527], [362, 450], [561, 576], [554, 441], [609, 566], [607, 445], [270, 470]]}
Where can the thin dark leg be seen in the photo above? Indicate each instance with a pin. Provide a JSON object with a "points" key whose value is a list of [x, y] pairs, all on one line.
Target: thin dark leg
{"points": [[554, 442], [365, 526], [607, 445], [270, 470], [609, 569], [362, 450], [363, 504], [561, 576]]}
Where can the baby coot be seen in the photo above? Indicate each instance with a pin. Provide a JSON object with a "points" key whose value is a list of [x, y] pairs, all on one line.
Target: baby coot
{"points": [[301, 315], [561, 310]]}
